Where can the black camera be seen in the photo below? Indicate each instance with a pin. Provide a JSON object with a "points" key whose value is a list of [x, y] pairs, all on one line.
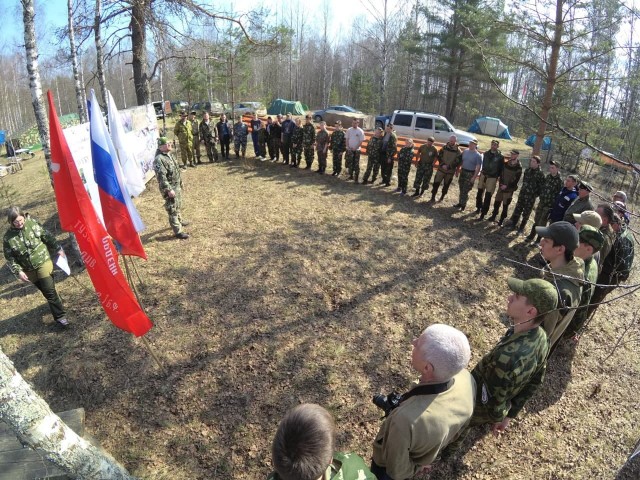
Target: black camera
{"points": [[387, 402]]}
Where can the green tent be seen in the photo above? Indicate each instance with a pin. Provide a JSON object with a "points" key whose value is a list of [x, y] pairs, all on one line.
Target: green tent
{"points": [[280, 106]]}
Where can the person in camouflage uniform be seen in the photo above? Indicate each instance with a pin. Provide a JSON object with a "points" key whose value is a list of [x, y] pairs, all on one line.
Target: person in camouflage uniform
{"points": [[209, 135], [405, 158], [274, 131], [427, 155], [240, 134], [195, 130], [170, 185], [303, 449], [492, 165], [297, 136], [183, 131], [507, 185], [531, 187], [308, 141], [338, 145], [26, 248], [591, 241], [511, 373], [388, 154], [374, 147], [449, 158], [263, 141], [322, 147], [551, 186]]}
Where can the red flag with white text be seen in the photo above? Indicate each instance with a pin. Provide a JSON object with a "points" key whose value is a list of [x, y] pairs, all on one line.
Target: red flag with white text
{"points": [[77, 215]]}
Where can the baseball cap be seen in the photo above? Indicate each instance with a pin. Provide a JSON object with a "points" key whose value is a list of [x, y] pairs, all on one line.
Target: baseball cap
{"points": [[588, 217], [562, 233], [473, 140], [592, 236], [193, 112], [431, 139], [517, 152], [163, 141], [540, 293], [183, 113]]}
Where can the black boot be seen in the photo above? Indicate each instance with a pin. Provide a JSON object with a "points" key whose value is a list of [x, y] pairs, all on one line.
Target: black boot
{"points": [[479, 196], [494, 214], [416, 193]]}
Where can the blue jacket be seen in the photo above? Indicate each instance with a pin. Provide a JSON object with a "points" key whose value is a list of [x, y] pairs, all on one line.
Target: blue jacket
{"points": [[561, 203]]}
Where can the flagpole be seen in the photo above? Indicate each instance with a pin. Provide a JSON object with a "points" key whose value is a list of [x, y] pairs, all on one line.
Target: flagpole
{"points": [[145, 342], [135, 270]]}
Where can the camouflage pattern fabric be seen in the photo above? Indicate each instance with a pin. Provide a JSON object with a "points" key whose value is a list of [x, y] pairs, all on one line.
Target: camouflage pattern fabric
{"points": [[580, 317], [531, 187], [182, 131], [551, 186], [195, 130], [296, 145], [338, 145], [240, 134], [424, 168], [308, 139], [27, 248], [345, 466], [373, 159], [209, 134], [509, 375], [168, 176], [465, 182], [405, 158]]}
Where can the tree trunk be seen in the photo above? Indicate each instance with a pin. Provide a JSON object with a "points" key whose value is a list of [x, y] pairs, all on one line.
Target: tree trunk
{"points": [[385, 60], [82, 110], [547, 101], [139, 9], [99, 54], [42, 430], [35, 85]]}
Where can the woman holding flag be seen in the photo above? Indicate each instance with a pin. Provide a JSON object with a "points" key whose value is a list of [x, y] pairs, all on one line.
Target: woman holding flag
{"points": [[26, 247]]}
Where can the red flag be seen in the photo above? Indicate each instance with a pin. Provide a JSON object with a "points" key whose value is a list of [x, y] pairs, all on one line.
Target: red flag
{"points": [[77, 215]]}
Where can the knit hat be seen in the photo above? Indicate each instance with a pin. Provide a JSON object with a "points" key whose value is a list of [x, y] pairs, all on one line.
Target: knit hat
{"points": [[540, 293], [588, 217], [562, 233], [592, 236]]}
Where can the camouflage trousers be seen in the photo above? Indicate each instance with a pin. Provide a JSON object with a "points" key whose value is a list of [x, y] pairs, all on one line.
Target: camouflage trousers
{"points": [[322, 160], [212, 151], [465, 182], [308, 155], [423, 176], [523, 207], [196, 148], [296, 155], [186, 153], [337, 160], [240, 143], [373, 167], [173, 206], [352, 159], [403, 175]]}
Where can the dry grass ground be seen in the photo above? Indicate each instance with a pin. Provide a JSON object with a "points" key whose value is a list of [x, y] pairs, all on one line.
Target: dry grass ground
{"points": [[296, 287]]}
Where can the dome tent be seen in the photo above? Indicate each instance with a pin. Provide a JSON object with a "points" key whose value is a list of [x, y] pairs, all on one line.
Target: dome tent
{"points": [[280, 106], [490, 126]]}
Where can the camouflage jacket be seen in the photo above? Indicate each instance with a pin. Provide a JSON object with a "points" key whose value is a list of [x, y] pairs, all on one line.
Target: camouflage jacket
{"points": [[391, 148], [405, 157], [345, 466], [296, 136], [28, 248], [451, 157], [182, 130], [427, 155], [551, 187], [510, 176], [240, 130], [167, 172], [617, 266], [609, 240], [308, 134], [532, 182], [208, 132], [195, 128], [373, 148], [579, 205], [338, 142], [322, 140], [510, 374], [591, 277]]}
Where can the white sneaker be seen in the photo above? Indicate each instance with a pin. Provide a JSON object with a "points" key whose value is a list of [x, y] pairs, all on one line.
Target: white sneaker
{"points": [[63, 321]]}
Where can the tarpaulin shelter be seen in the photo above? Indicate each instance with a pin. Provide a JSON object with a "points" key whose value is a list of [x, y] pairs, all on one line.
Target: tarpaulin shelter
{"points": [[490, 126], [280, 106], [546, 142]]}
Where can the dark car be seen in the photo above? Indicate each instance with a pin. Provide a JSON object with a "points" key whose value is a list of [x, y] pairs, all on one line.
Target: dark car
{"points": [[214, 107], [318, 115]]}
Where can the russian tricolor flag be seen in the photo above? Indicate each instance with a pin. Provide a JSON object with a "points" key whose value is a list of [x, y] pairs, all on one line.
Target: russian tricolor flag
{"points": [[120, 215]]}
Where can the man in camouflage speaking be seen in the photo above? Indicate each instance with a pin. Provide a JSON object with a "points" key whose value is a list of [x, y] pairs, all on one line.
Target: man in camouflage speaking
{"points": [[170, 184]]}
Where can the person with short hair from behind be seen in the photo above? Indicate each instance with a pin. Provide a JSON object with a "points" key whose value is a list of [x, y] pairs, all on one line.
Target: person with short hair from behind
{"points": [[304, 449], [433, 413], [427, 155], [551, 187], [405, 158], [507, 185], [511, 373]]}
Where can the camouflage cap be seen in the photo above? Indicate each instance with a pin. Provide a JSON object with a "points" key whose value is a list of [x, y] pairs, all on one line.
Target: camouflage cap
{"points": [[183, 113], [163, 141], [431, 139], [540, 293], [588, 217], [592, 236], [562, 233]]}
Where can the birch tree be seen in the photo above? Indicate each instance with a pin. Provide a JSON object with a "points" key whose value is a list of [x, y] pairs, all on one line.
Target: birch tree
{"points": [[36, 426], [77, 73]]}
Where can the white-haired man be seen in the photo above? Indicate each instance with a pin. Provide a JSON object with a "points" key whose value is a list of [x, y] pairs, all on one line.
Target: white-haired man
{"points": [[433, 413]]}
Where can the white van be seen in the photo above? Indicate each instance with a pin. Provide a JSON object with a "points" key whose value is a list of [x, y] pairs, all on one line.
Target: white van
{"points": [[424, 125]]}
